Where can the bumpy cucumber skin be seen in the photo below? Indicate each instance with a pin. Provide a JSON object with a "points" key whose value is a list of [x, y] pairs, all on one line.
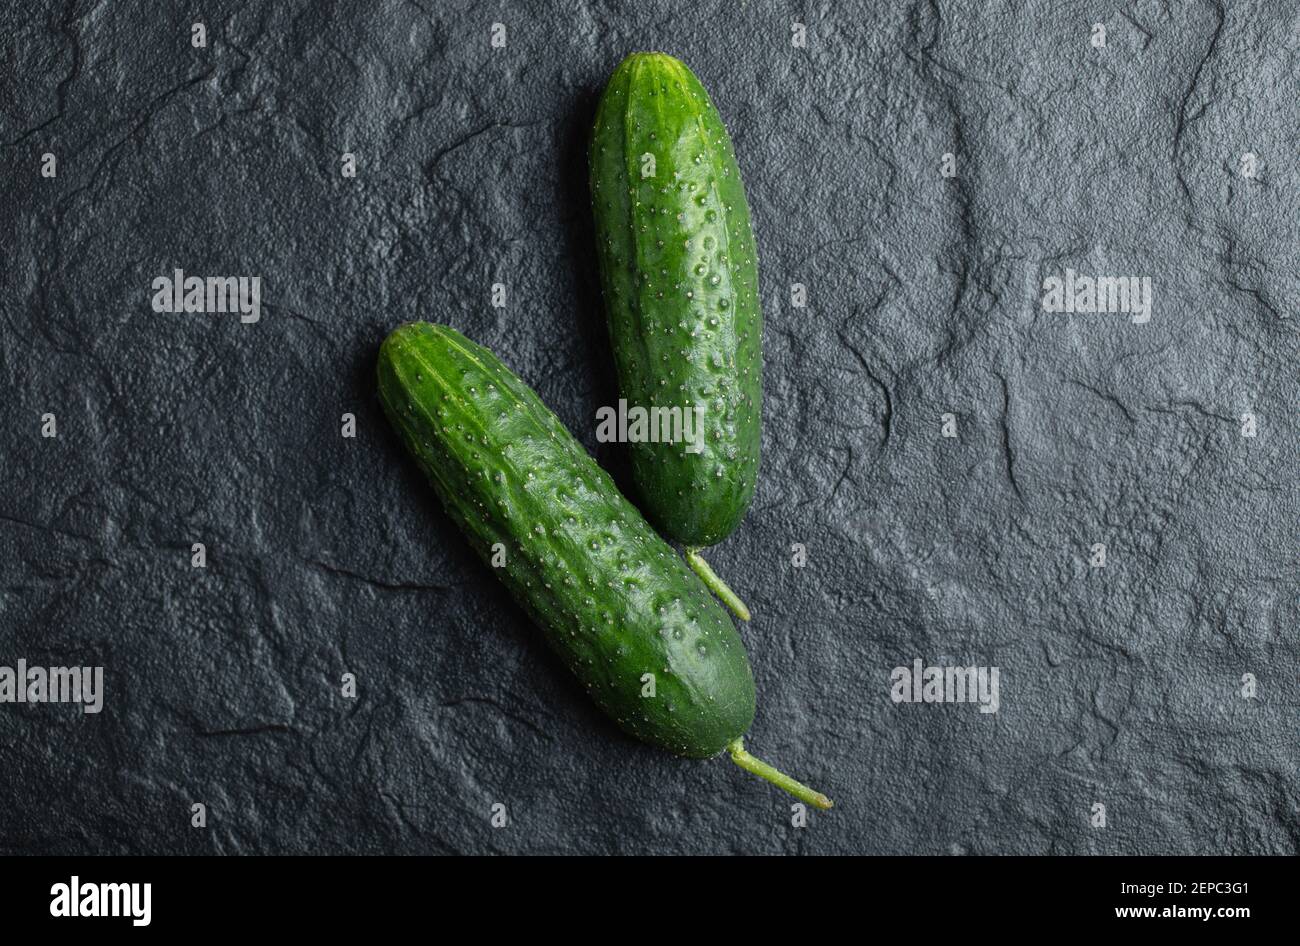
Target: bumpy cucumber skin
{"points": [[613, 598], [679, 272]]}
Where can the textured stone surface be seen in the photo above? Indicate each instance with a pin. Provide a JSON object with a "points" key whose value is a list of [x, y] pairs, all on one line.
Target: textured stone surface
{"points": [[327, 556]]}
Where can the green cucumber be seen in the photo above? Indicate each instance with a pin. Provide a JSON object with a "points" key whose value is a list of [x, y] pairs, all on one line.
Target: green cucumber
{"points": [[679, 273], [614, 600]]}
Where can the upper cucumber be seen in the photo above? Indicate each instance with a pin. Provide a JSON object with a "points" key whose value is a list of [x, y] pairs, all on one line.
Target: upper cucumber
{"points": [[679, 272], [612, 597]]}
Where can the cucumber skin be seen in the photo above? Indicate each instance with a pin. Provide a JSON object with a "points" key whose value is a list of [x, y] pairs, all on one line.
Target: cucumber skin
{"points": [[613, 598], [668, 348]]}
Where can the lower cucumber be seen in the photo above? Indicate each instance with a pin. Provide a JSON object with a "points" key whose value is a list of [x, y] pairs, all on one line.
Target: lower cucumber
{"points": [[634, 624]]}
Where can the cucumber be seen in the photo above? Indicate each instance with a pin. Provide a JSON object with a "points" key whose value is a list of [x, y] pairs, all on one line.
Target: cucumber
{"points": [[613, 599], [679, 273]]}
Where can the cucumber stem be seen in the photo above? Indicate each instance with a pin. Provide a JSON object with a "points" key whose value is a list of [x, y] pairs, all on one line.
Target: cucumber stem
{"points": [[716, 584], [779, 779]]}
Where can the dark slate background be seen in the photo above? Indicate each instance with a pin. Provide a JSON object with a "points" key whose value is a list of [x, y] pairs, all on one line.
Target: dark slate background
{"points": [[330, 556]]}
